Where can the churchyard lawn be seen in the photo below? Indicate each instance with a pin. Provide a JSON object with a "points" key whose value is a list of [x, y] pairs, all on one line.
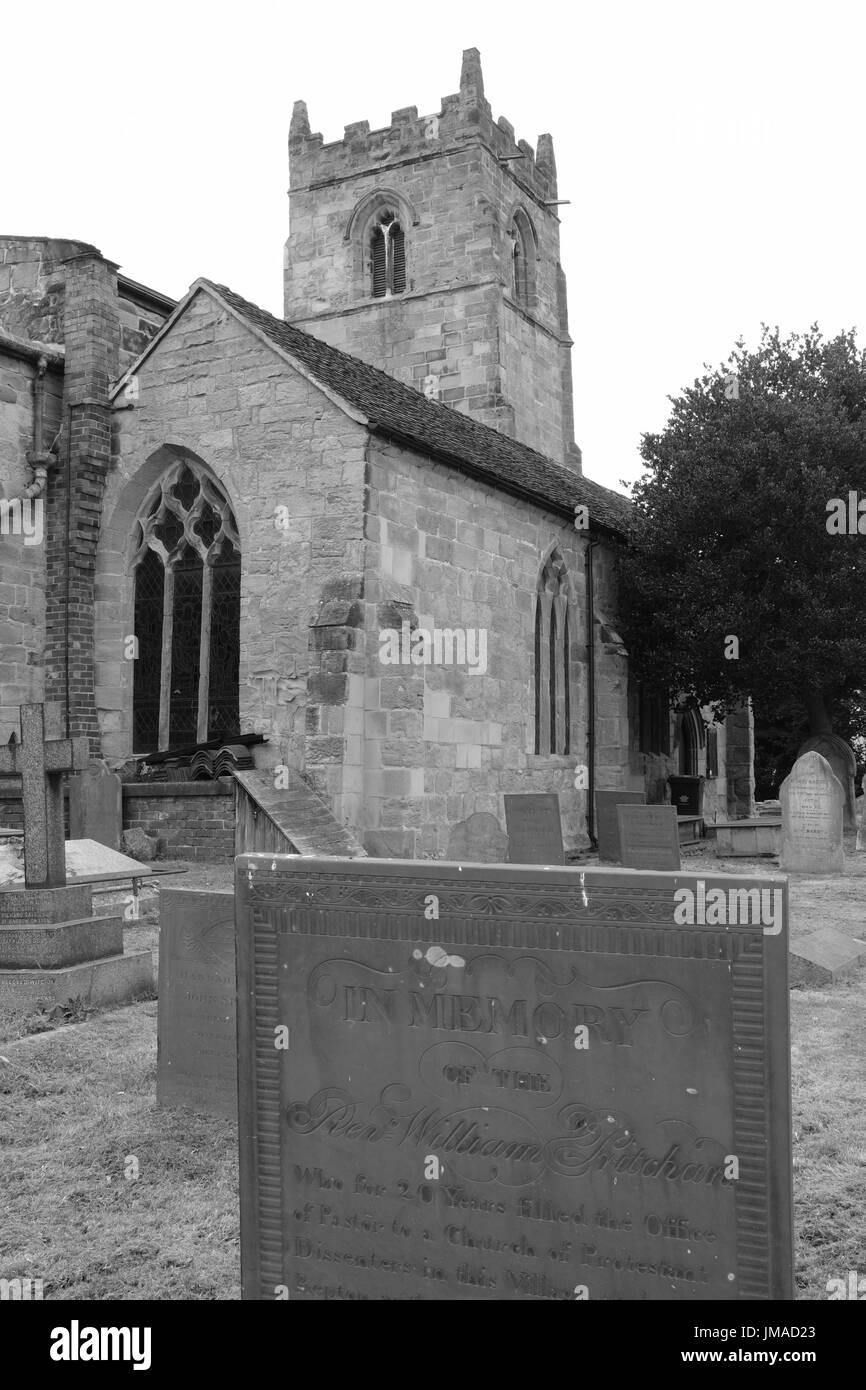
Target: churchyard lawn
{"points": [[106, 1197]]}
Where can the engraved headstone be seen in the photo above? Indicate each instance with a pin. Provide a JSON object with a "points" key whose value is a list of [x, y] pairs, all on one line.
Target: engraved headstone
{"points": [[843, 763], [95, 806], [812, 806], [649, 836], [534, 828], [606, 823], [501, 1082], [196, 1015], [479, 839]]}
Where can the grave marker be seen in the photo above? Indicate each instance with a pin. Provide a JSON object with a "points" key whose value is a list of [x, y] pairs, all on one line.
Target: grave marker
{"points": [[812, 807], [96, 806], [196, 1017], [40, 759], [534, 828], [649, 836], [606, 823], [503, 1083]]}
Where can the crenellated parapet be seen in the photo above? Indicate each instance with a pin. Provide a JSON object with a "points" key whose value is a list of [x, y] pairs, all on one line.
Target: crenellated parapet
{"points": [[465, 117]]}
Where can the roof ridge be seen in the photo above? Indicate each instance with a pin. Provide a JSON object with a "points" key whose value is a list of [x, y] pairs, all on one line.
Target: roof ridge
{"points": [[398, 410]]}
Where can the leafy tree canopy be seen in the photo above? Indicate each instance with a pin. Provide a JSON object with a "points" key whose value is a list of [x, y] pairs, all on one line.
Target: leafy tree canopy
{"points": [[730, 536]]}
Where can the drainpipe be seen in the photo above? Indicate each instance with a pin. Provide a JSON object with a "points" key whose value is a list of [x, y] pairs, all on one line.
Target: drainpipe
{"points": [[590, 695], [37, 458]]}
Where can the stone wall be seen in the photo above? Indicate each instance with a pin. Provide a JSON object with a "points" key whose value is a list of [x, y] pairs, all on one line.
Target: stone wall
{"points": [[439, 742], [22, 556], [455, 180], [213, 391]]}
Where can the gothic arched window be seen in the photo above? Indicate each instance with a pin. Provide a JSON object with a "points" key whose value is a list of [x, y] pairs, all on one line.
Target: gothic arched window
{"points": [[388, 257], [523, 255], [552, 667], [187, 568]]}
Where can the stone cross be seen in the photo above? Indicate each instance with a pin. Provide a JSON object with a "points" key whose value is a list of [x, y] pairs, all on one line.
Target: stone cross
{"points": [[40, 760]]}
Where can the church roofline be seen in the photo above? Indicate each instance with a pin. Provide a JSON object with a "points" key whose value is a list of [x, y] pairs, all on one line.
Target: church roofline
{"points": [[403, 415]]}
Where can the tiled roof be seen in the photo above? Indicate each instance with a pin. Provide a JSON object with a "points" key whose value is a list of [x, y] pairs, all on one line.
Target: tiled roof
{"points": [[403, 414]]}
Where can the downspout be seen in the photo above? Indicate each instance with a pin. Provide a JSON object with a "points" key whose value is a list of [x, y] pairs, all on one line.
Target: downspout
{"points": [[590, 695], [37, 458]]}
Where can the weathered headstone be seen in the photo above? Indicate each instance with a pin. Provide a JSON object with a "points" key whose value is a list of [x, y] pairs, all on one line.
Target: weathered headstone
{"points": [[196, 1015], [606, 823], [479, 839], [502, 1082], [824, 955], [51, 947], [534, 828], [840, 755], [96, 806], [812, 805], [649, 837]]}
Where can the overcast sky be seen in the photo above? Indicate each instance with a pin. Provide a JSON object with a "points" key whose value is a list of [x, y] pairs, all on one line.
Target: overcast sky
{"points": [[713, 154]]}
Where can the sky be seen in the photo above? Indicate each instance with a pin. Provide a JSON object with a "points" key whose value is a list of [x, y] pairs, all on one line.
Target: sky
{"points": [[712, 154]]}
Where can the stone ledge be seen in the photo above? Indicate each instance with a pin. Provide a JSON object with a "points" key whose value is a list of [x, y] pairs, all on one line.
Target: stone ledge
{"points": [[41, 947], [223, 786]]}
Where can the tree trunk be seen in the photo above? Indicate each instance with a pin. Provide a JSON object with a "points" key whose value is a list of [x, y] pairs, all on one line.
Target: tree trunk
{"points": [[819, 715]]}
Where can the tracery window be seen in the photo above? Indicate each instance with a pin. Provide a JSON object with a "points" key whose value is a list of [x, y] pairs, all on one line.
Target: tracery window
{"points": [[388, 257], [552, 666], [523, 255], [187, 569]]}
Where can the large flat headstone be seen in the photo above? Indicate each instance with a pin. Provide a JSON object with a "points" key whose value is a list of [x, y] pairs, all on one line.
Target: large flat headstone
{"points": [[196, 1015], [649, 837], [606, 823], [534, 828], [823, 956], [812, 806], [506, 1082], [96, 806]]}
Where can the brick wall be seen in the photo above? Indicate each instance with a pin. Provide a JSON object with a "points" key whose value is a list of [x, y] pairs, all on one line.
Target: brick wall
{"points": [[193, 821]]}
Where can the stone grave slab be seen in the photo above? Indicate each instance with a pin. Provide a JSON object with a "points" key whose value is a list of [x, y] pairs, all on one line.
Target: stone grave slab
{"points": [[823, 956], [503, 1082], [812, 809], [479, 839], [606, 823], [96, 806], [196, 1014], [534, 828], [649, 837]]}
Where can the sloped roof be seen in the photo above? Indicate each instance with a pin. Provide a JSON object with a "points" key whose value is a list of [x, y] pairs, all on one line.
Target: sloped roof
{"points": [[402, 414]]}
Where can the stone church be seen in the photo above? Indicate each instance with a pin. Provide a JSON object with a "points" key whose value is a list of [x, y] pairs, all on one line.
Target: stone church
{"points": [[360, 532]]}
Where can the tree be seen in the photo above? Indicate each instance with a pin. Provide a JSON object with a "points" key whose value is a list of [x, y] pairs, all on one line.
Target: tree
{"points": [[741, 577]]}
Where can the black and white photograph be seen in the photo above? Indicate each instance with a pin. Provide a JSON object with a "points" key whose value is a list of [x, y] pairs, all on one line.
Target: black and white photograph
{"points": [[432, 670]]}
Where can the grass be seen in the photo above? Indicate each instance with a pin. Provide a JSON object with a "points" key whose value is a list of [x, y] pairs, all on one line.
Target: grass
{"points": [[77, 1104]]}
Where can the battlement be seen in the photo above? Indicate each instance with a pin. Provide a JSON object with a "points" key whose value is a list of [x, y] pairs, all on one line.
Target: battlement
{"points": [[464, 118]]}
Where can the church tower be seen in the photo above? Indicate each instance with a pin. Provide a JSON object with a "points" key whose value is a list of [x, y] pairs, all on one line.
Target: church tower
{"points": [[430, 249]]}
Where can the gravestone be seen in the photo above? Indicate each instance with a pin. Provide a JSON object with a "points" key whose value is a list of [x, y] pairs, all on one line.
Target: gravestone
{"points": [[534, 828], [196, 1015], [812, 805], [606, 823], [52, 949], [649, 836], [479, 839], [95, 806], [501, 1082], [840, 755]]}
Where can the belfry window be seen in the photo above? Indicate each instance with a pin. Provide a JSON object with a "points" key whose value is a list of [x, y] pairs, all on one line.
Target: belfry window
{"points": [[552, 666], [187, 614], [388, 257], [523, 256]]}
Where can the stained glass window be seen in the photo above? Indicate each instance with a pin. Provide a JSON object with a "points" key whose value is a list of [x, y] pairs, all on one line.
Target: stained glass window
{"points": [[187, 614]]}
